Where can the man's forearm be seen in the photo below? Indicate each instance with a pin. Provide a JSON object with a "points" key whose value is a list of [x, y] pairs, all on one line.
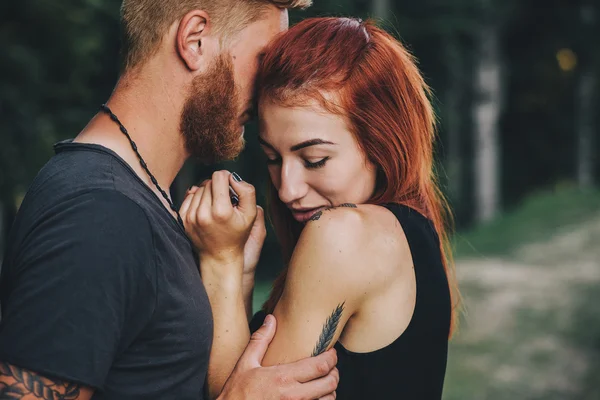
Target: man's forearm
{"points": [[231, 331]]}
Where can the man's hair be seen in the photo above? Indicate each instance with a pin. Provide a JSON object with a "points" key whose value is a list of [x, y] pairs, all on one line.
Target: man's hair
{"points": [[145, 22]]}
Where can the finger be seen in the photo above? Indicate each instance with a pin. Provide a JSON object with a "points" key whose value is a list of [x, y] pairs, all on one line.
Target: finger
{"points": [[314, 367], [246, 193], [259, 343], [192, 211], [192, 190], [260, 219], [185, 206], [331, 396], [204, 208], [321, 387], [221, 202]]}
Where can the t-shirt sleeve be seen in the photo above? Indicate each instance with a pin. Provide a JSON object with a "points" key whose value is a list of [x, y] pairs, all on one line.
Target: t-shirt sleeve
{"points": [[81, 284]]}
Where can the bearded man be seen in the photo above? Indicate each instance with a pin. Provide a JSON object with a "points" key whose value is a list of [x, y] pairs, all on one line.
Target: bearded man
{"points": [[101, 292]]}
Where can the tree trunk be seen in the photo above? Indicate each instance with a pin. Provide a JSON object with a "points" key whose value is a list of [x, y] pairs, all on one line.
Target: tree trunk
{"points": [[585, 102], [3, 230], [487, 108], [453, 96], [381, 8]]}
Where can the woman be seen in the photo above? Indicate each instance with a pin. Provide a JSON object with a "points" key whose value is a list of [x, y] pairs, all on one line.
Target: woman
{"points": [[348, 132]]}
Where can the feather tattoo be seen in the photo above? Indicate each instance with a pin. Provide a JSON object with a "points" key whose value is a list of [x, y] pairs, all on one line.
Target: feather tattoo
{"points": [[329, 329], [317, 216]]}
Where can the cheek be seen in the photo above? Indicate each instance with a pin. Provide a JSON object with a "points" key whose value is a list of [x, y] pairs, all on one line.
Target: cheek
{"points": [[245, 72], [348, 182]]}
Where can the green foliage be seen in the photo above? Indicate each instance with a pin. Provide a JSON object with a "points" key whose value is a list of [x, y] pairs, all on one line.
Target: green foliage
{"points": [[537, 218], [59, 60]]}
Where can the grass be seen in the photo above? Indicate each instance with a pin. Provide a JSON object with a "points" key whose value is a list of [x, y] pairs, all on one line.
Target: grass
{"points": [[520, 360], [534, 220]]}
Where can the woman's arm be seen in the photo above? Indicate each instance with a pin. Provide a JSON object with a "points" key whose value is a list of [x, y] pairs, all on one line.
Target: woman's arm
{"points": [[332, 271]]}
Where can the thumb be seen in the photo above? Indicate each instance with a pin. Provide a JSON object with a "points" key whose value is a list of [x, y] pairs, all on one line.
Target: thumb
{"points": [[259, 222], [259, 343]]}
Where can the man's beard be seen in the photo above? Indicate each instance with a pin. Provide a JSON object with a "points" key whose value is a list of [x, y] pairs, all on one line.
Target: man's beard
{"points": [[209, 120]]}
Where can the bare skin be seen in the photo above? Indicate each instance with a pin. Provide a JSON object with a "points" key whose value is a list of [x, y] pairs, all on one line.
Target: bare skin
{"points": [[149, 101], [352, 260]]}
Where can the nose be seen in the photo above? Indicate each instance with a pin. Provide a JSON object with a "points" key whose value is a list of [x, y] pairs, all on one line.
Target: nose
{"points": [[292, 184]]}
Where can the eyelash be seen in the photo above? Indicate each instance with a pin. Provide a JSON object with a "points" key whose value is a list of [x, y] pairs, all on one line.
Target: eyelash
{"points": [[307, 164]]}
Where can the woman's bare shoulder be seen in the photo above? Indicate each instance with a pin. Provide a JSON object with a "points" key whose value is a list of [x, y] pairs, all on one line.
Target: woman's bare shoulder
{"points": [[363, 242]]}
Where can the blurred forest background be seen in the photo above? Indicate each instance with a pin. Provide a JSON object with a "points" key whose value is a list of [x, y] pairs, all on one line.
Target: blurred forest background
{"points": [[516, 88]]}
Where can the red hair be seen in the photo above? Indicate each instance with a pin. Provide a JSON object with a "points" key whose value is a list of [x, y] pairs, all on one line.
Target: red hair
{"points": [[378, 88]]}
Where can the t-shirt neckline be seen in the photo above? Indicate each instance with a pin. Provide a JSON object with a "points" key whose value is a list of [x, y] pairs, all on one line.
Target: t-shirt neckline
{"points": [[69, 145]]}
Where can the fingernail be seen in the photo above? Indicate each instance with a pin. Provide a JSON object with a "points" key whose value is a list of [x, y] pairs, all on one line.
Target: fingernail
{"points": [[236, 177]]}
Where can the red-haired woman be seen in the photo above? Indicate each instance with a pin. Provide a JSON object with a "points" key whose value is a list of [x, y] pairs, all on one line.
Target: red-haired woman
{"points": [[348, 130]]}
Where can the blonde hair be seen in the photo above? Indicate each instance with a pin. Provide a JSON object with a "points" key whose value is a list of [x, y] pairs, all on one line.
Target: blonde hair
{"points": [[145, 22]]}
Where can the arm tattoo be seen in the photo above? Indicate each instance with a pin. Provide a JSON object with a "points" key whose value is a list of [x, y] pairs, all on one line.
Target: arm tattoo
{"points": [[328, 332], [19, 383], [319, 214]]}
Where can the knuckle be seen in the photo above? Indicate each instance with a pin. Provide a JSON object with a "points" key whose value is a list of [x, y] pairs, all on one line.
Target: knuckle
{"points": [[221, 175], [203, 217], [221, 214], [322, 367], [250, 189], [257, 336], [332, 383]]}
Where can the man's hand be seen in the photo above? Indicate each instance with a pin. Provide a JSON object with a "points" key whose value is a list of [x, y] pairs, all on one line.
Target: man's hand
{"points": [[254, 244], [308, 379]]}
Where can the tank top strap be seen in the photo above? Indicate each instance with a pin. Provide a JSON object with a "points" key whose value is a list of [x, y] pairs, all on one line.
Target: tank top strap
{"points": [[415, 225], [421, 235]]}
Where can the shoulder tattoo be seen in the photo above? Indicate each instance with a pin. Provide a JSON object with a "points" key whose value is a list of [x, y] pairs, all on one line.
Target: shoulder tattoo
{"points": [[319, 214]]}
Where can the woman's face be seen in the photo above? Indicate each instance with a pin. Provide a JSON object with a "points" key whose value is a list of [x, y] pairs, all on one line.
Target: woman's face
{"points": [[314, 160]]}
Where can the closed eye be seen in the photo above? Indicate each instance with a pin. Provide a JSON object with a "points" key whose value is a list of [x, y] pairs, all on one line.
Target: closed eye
{"points": [[315, 165]]}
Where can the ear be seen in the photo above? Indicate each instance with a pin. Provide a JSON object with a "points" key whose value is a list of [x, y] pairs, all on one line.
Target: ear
{"points": [[190, 34]]}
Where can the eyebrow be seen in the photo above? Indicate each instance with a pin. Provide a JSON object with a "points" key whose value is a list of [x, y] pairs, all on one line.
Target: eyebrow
{"points": [[299, 146]]}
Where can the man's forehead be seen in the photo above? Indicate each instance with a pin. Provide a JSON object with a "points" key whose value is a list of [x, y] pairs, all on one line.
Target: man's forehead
{"points": [[261, 32]]}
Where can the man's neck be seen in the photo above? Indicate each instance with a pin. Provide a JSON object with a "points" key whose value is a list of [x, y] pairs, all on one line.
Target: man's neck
{"points": [[150, 110]]}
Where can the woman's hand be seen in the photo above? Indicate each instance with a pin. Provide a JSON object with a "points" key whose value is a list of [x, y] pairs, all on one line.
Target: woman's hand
{"points": [[218, 230], [254, 244]]}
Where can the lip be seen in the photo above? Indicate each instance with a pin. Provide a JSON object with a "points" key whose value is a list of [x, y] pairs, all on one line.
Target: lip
{"points": [[304, 214]]}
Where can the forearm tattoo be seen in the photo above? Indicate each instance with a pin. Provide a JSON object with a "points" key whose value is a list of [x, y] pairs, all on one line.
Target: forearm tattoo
{"points": [[329, 329], [319, 214], [17, 383]]}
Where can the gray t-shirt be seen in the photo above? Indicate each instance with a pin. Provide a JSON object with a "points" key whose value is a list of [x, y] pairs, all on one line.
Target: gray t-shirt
{"points": [[100, 285]]}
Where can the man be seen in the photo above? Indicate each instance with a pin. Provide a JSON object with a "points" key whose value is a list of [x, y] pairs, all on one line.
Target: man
{"points": [[100, 290]]}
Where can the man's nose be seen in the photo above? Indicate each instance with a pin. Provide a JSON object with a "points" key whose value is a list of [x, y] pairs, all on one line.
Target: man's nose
{"points": [[293, 185]]}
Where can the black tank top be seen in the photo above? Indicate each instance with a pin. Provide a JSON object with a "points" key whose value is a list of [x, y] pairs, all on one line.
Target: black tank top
{"points": [[414, 365]]}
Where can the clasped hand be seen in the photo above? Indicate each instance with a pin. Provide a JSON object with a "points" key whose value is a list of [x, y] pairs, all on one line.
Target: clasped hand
{"points": [[221, 232]]}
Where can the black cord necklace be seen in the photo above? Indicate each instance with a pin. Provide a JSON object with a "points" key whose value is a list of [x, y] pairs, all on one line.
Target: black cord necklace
{"points": [[113, 117]]}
